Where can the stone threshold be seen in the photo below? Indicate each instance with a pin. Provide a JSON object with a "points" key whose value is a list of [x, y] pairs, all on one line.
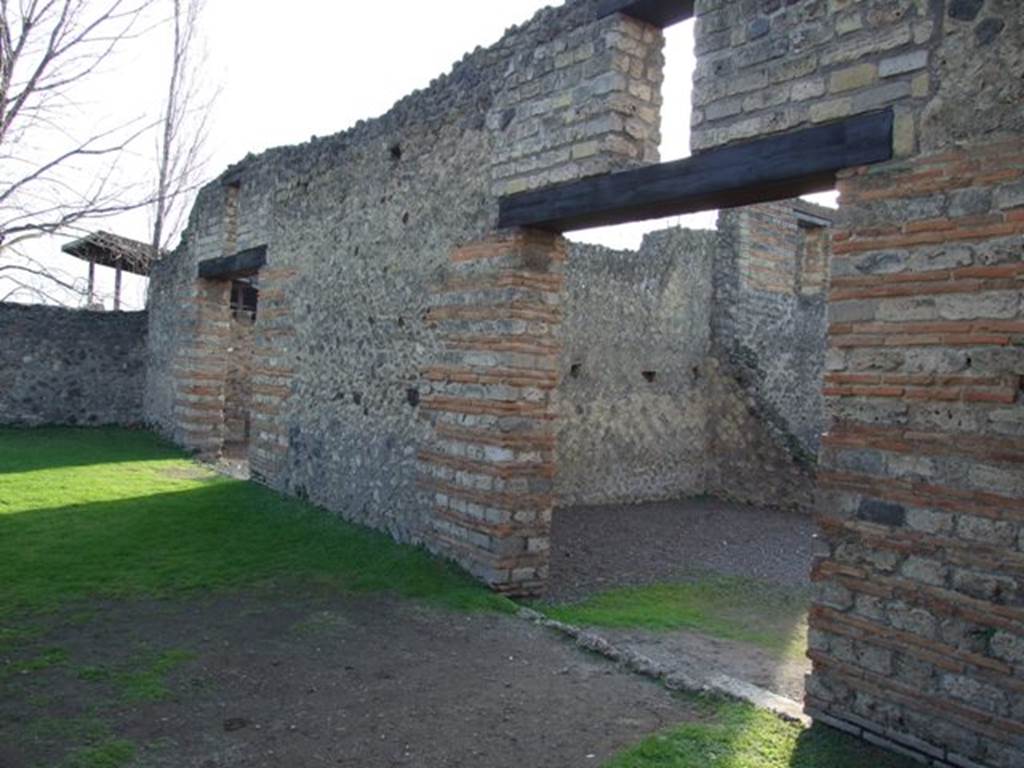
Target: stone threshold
{"points": [[677, 677]]}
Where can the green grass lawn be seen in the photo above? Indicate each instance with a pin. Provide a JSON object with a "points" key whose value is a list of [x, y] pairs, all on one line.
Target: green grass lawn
{"points": [[115, 513], [772, 617], [736, 735], [108, 514]]}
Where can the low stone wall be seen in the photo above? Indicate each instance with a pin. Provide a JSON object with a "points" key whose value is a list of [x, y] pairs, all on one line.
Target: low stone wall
{"points": [[71, 367]]}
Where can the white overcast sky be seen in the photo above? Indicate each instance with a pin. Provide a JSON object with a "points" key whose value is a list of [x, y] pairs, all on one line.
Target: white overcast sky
{"points": [[289, 71]]}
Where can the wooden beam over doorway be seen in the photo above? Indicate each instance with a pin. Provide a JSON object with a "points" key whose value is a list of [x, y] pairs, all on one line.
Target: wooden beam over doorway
{"points": [[241, 264], [758, 171], [660, 13]]}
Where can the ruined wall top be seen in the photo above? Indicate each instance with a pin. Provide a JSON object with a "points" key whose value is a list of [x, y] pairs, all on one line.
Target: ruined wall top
{"points": [[561, 96], [952, 69]]}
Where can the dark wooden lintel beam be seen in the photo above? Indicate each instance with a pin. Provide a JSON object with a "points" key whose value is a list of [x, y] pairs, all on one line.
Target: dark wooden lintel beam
{"points": [[660, 13], [758, 171], [241, 264]]}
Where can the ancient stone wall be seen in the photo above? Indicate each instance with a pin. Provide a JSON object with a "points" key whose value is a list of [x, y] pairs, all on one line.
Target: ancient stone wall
{"points": [[769, 329], [773, 65], [694, 365], [632, 406], [359, 228], [918, 630], [71, 367]]}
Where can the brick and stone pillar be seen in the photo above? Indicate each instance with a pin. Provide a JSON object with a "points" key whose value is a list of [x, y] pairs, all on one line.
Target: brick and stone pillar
{"points": [[488, 470], [918, 633], [272, 375], [200, 371]]}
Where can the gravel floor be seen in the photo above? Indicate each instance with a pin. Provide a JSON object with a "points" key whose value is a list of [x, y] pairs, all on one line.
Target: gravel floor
{"points": [[597, 548]]}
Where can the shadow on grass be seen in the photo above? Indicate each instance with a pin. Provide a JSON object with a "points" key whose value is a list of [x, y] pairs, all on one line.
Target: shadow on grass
{"points": [[29, 450]]}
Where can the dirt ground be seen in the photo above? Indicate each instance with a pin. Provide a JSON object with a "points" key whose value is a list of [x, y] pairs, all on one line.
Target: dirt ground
{"points": [[296, 680], [600, 548]]}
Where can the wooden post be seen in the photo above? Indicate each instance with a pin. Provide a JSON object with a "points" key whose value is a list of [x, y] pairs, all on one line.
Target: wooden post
{"points": [[92, 281], [117, 288]]}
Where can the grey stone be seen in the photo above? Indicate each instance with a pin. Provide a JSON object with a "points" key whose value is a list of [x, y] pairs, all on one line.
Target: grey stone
{"points": [[907, 62], [759, 27], [1010, 195], [965, 10], [882, 512], [924, 570], [1008, 647], [988, 30], [970, 202]]}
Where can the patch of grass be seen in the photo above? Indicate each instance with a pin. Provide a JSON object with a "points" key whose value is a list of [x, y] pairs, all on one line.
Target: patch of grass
{"points": [[737, 735], [148, 681], [13, 637], [94, 674], [117, 513], [770, 616], [112, 753], [87, 729], [51, 657]]}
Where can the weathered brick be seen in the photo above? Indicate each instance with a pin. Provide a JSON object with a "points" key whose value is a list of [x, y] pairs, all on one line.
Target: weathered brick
{"points": [[858, 76]]}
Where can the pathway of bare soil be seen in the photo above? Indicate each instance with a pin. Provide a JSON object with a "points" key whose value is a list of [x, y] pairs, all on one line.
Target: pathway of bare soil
{"points": [[298, 680], [596, 549]]}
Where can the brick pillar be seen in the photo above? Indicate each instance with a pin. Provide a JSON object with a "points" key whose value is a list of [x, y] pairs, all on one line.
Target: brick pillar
{"points": [[272, 373], [200, 371], [918, 631], [490, 465]]}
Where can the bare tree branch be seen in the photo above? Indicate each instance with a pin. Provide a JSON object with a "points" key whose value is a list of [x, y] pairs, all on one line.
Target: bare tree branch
{"points": [[181, 157], [60, 173]]}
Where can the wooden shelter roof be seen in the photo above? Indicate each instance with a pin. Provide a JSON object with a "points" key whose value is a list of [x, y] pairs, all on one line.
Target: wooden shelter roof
{"points": [[110, 250]]}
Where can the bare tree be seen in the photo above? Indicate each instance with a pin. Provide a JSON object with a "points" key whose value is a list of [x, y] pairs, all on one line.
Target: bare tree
{"points": [[61, 169], [58, 167], [181, 159], [23, 277]]}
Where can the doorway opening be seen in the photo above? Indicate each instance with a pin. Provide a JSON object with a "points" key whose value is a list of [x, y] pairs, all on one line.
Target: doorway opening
{"points": [[689, 415], [238, 381]]}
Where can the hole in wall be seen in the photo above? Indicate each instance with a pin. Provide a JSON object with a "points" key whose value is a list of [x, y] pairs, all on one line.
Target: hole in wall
{"points": [[575, 370], [650, 376], [412, 396], [395, 150]]}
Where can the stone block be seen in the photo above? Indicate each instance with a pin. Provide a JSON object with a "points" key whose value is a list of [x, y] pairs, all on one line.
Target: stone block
{"points": [[1008, 647], [930, 521], [867, 43], [851, 78], [810, 88], [906, 62], [924, 570], [831, 110], [884, 95]]}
